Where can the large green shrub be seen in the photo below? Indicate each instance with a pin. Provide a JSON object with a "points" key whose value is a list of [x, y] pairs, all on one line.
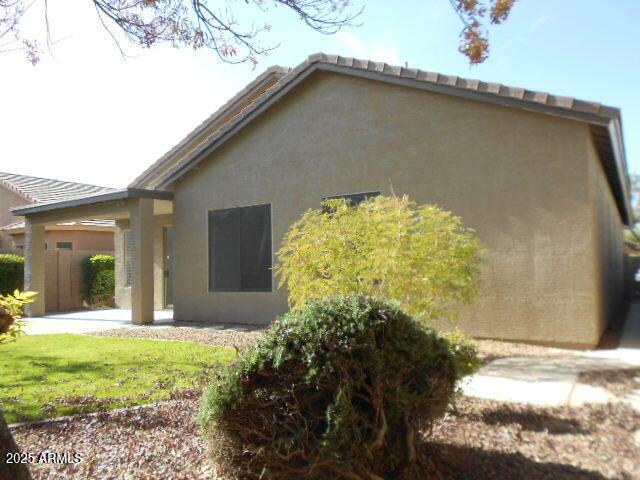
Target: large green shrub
{"points": [[421, 256], [11, 273], [100, 278], [337, 389]]}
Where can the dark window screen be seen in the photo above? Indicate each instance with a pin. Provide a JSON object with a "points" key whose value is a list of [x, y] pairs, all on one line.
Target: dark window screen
{"points": [[240, 249], [352, 199], [64, 245]]}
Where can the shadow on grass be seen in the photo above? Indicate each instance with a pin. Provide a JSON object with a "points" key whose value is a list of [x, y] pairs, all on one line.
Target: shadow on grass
{"points": [[101, 368], [437, 461]]}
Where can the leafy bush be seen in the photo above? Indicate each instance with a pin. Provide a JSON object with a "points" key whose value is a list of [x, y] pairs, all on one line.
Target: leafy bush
{"points": [[11, 273], [336, 389], [11, 308], [100, 278], [421, 256]]}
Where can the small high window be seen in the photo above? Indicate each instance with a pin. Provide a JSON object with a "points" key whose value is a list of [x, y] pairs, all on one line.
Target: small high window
{"points": [[64, 245], [240, 249], [352, 199]]}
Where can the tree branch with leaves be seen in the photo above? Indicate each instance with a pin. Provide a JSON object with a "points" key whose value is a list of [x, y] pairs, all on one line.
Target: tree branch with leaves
{"points": [[476, 15], [214, 24]]}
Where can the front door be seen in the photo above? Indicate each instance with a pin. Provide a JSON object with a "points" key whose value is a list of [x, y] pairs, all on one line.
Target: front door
{"points": [[168, 267]]}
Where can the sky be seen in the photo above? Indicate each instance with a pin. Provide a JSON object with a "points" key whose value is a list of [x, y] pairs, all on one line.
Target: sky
{"points": [[86, 114]]}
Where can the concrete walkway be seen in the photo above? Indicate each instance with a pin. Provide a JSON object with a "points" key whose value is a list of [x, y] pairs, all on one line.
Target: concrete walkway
{"points": [[88, 321], [555, 380]]}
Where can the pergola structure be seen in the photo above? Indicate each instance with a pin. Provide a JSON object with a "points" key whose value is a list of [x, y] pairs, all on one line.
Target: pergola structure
{"points": [[139, 208]]}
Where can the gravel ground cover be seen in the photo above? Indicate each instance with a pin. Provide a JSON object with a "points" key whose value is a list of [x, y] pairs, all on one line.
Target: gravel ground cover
{"points": [[481, 440], [242, 335], [620, 381], [493, 349], [227, 336]]}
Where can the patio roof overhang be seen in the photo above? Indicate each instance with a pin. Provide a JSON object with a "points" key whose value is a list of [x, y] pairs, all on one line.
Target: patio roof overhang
{"points": [[137, 205], [111, 205]]}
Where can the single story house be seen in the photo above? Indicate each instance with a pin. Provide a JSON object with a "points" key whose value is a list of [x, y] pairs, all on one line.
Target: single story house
{"points": [[541, 178], [66, 244]]}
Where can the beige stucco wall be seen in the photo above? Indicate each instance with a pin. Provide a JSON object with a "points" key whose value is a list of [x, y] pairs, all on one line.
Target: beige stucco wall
{"points": [[8, 199], [608, 237], [123, 294], [520, 179], [82, 239]]}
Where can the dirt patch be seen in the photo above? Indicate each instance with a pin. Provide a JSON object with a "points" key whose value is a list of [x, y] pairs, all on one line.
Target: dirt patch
{"points": [[225, 337], [481, 439]]}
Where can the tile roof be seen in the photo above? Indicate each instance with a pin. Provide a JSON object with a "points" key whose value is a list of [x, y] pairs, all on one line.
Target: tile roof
{"points": [[177, 161], [47, 190], [604, 121]]}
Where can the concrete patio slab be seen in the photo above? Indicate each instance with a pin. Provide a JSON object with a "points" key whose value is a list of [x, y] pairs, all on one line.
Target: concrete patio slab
{"points": [[554, 380], [88, 321], [551, 380]]}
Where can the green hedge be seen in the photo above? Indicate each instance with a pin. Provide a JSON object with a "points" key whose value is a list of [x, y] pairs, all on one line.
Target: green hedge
{"points": [[338, 389], [100, 277], [11, 273]]}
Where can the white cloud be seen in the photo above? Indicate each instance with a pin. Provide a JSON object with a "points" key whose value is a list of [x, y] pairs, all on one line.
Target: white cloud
{"points": [[536, 24], [377, 51]]}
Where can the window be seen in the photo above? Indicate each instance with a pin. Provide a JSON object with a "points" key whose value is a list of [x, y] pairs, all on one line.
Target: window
{"points": [[240, 249], [351, 198], [127, 247], [64, 245], [20, 247]]}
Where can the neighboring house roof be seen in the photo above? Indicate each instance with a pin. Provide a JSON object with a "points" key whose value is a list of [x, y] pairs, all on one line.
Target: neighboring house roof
{"points": [[47, 190], [18, 227], [604, 121]]}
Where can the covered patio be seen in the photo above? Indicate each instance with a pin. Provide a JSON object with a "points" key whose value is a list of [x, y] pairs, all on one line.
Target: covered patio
{"points": [[142, 218]]}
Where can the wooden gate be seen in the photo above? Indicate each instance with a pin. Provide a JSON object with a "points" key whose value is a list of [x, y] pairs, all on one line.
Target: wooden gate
{"points": [[65, 286]]}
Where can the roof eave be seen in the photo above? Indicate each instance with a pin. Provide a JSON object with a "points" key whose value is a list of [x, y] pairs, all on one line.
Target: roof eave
{"points": [[617, 142], [301, 72], [129, 193], [13, 189], [274, 72]]}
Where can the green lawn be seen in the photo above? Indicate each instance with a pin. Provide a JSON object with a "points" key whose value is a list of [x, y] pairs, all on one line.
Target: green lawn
{"points": [[47, 376]]}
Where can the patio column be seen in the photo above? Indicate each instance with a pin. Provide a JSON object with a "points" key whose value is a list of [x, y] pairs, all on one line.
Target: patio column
{"points": [[141, 218], [34, 265]]}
